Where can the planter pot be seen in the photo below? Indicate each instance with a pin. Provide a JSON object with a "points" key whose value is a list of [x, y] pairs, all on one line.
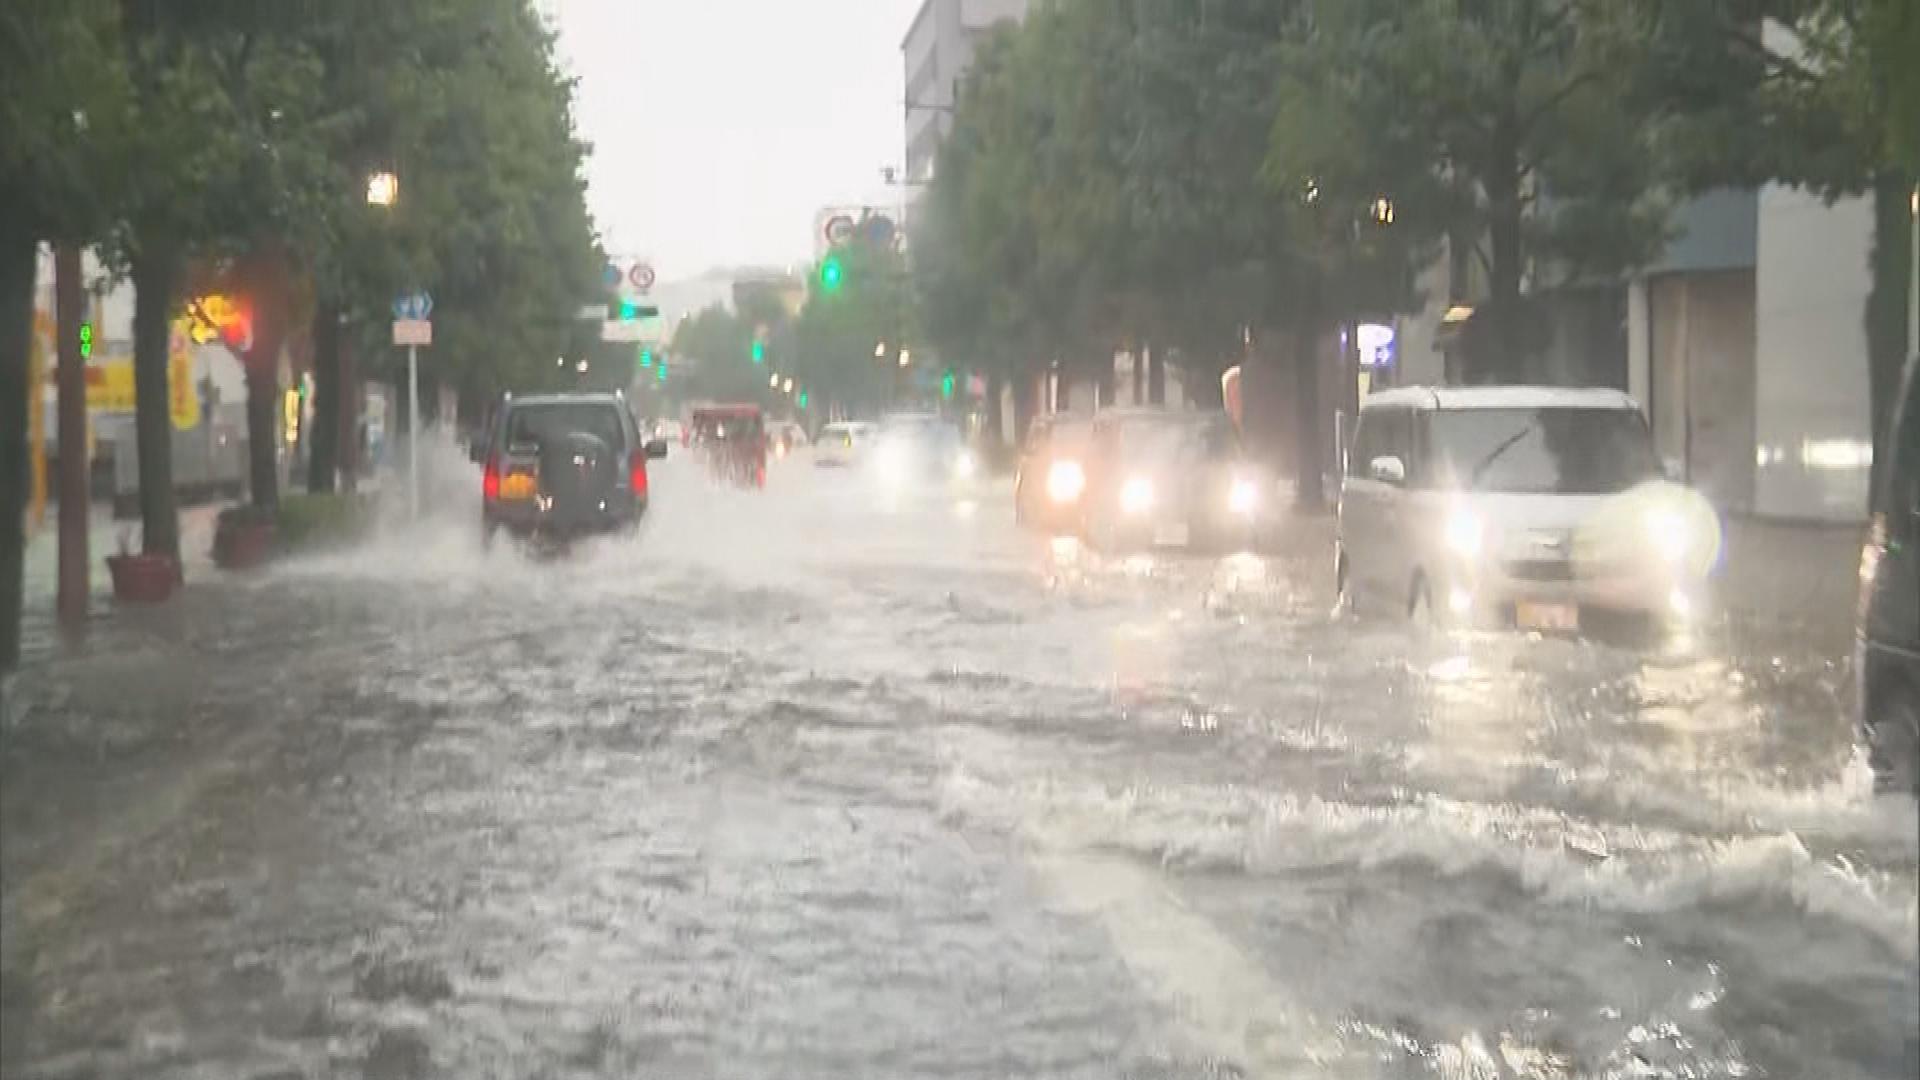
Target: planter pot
{"points": [[242, 545], [143, 579]]}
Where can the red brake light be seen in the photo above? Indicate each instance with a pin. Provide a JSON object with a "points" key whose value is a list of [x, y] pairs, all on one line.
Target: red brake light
{"points": [[490, 480], [638, 478]]}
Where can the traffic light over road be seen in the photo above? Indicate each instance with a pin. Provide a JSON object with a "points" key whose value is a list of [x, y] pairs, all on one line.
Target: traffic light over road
{"points": [[832, 274]]}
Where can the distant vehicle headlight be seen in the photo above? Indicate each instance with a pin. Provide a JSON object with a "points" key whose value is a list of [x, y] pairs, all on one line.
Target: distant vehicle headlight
{"points": [[1465, 533], [963, 465], [1669, 533], [1065, 481], [1136, 495], [1244, 496]]}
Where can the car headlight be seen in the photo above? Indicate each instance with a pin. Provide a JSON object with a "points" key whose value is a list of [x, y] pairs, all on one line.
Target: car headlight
{"points": [[1065, 481], [1244, 497], [963, 465], [1136, 495], [1669, 534], [1465, 533]]}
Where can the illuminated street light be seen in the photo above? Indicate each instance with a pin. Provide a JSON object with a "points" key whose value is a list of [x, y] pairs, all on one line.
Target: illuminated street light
{"points": [[773, 379], [880, 351], [788, 388], [383, 189], [906, 357]]}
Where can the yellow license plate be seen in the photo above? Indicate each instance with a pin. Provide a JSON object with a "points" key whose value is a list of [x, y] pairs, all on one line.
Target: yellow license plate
{"points": [[518, 486], [1533, 616]]}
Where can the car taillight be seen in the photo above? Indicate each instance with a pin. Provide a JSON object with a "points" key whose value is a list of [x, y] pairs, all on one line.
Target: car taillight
{"points": [[490, 480], [637, 476]]}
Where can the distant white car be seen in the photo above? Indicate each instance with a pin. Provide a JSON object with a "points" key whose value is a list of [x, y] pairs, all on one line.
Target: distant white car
{"points": [[1520, 506], [842, 444], [673, 431]]}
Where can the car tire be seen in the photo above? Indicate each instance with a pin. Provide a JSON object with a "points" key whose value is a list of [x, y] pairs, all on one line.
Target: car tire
{"points": [[1893, 740], [1344, 603], [1420, 609]]}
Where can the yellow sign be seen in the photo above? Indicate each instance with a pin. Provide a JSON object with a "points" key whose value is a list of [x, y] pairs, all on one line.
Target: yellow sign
{"points": [[183, 397], [110, 385]]}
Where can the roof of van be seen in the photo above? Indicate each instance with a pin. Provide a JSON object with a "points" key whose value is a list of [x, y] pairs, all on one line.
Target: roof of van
{"points": [[1501, 397]]}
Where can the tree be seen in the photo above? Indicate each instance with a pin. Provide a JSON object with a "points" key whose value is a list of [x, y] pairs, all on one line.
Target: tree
{"points": [[1529, 125], [61, 105]]}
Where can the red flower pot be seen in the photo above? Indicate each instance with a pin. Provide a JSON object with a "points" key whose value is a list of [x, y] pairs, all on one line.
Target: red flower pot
{"points": [[242, 545], [143, 579]]}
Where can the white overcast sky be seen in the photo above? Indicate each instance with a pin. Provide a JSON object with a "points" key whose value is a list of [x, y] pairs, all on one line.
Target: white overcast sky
{"points": [[720, 126]]}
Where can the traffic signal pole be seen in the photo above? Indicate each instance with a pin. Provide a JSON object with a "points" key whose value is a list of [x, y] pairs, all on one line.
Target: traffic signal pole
{"points": [[71, 379]]}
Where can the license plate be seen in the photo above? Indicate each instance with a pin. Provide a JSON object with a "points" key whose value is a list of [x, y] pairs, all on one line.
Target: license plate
{"points": [[517, 486], [1174, 535], [1532, 616]]}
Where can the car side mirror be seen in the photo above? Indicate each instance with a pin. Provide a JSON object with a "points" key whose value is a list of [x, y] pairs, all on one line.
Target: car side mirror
{"points": [[1388, 469], [477, 451], [656, 449]]}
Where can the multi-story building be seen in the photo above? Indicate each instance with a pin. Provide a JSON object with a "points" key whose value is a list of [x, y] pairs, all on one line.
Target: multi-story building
{"points": [[938, 50]]}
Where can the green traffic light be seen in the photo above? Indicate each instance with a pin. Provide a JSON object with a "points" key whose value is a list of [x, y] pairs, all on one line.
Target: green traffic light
{"points": [[646, 357], [629, 309], [803, 399], [946, 385], [759, 351], [660, 373], [832, 274]]}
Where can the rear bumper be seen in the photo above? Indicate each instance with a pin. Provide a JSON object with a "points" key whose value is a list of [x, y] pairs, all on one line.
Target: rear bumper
{"points": [[528, 518]]}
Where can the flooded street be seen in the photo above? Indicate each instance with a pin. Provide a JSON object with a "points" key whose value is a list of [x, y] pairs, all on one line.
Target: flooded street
{"points": [[815, 784]]}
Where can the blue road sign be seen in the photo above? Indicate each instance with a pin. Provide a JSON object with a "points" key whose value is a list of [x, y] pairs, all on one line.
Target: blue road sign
{"points": [[413, 306]]}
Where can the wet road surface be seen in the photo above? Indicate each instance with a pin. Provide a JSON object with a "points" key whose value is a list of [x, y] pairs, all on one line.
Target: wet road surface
{"points": [[815, 784]]}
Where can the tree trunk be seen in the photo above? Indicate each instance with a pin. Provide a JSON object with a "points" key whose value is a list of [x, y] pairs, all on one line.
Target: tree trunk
{"points": [[1137, 367], [1156, 358], [1026, 400], [996, 416], [1505, 353], [1890, 269], [18, 254], [71, 376], [156, 275], [348, 431], [263, 473], [1309, 461], [323, 446]]}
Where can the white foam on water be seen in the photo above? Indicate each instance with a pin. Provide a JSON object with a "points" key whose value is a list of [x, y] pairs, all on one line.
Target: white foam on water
{"points": [[1214, 828]]}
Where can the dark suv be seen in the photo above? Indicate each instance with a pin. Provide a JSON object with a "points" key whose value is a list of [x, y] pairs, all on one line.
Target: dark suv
{"points": [[1887, 652], [563, 465]]}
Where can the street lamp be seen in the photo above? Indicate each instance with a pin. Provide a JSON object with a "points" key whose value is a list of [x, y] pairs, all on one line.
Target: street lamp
{"points": [[906, 357], [383, 189], [773, 379], [789, 387], [880, 351]]}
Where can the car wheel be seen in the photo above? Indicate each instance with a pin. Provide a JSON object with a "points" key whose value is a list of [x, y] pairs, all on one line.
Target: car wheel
{"points": [[1343, 599], [1893, 741], [1420, 605]]}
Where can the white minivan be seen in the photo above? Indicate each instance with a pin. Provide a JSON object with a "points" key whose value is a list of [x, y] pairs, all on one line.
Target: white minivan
{"points": [[1532, 507]]}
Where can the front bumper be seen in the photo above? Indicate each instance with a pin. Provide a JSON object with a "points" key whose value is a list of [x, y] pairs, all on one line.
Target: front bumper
{"points": [[1508, 595]]}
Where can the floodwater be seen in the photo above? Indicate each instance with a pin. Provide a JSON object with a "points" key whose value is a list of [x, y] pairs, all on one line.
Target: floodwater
{"points": [[818, 783]]}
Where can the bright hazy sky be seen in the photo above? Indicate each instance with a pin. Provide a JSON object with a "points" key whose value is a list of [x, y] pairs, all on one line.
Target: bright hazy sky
{"points": [[720, 126]]}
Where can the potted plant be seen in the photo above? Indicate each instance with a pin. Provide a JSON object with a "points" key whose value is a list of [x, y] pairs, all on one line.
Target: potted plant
{"points": [[141, 578], [243, 537]]}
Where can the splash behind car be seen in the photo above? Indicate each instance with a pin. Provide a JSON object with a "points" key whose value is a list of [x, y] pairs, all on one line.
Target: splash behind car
{"points": [[1541, 508], [921, 452]]}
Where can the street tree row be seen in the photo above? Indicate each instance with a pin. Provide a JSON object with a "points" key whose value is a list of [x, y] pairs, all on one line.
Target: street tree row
{"points": [[1217, 180], [225, 146]]}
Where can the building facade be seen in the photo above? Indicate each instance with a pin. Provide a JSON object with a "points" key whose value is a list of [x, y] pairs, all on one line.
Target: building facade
{"points": [[937, 52]]}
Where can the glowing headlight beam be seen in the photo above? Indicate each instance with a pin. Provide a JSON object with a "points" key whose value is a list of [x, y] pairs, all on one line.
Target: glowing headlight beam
{"points": [[1065, 481], [1465, 533], [1136, 495]]}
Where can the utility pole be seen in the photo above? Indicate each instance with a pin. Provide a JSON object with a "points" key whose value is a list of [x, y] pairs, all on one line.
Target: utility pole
{"points": [[71, 379]]}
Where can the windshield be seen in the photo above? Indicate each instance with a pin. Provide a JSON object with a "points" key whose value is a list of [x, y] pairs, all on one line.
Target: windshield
{"points": [[1176, 442], [1069, 622], [1551, 451]]}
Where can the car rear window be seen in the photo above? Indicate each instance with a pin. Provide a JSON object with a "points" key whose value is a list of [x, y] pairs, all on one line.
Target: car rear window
{"points": [[532, 425]]}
